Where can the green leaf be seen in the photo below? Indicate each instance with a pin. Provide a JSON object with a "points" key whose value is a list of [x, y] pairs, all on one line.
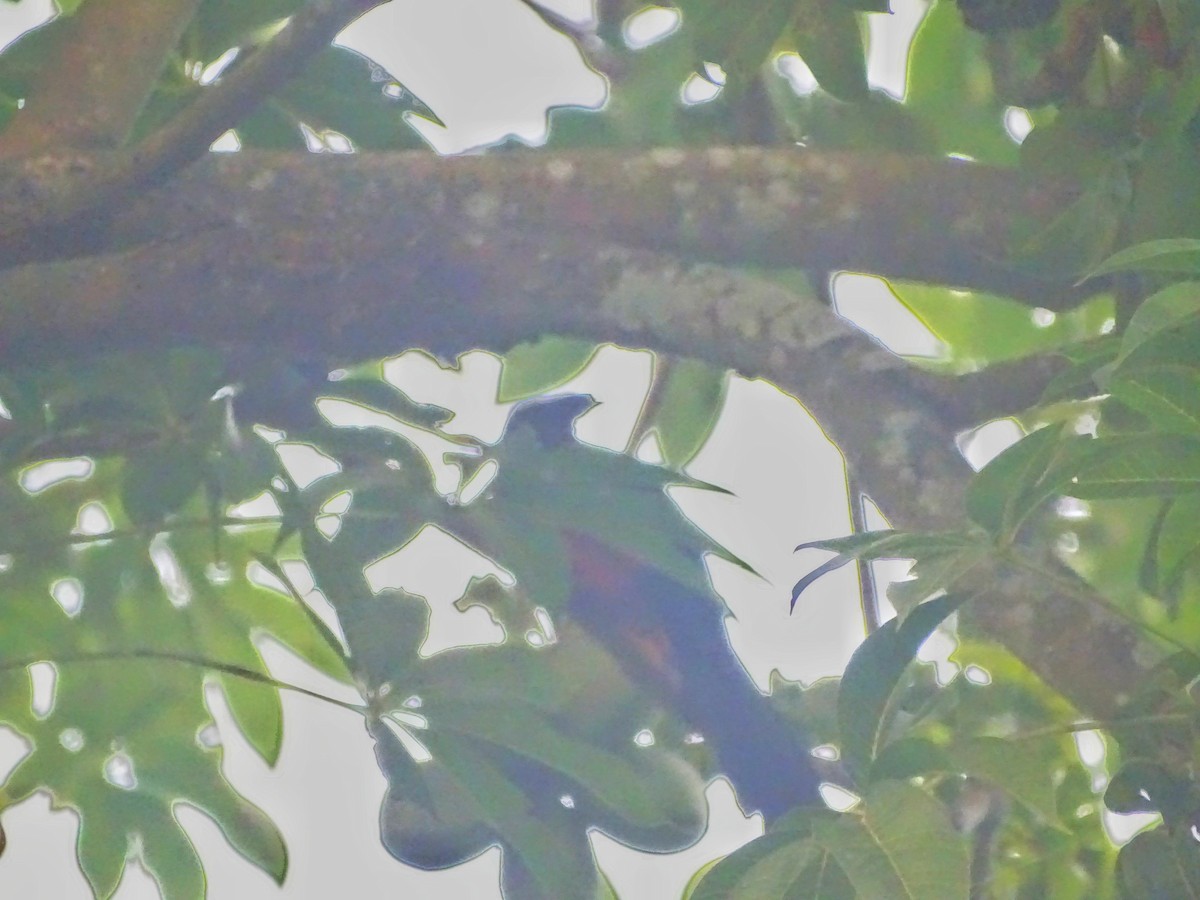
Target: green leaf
{"points": [[872, 676], [539, 366], [341, 91], [1158, 864], [1027, 770], [910, 757], [1175, 255], [1079, 379], [958, 571], [827, 35], [199, 603], [1166, 200], [873, 545], [121, 750], [511, 732], [1014, 484], [980, 328], [159, 480], [898, 844], [221, 24], [1082, 233], [781, 864], [684, 407], [1174, 346], [737, 37], [1169, 396], [820, 120], [1080, 143], [1173, 549], [1145, 786], [1161, 313], [1142, 465], [950, 87]]}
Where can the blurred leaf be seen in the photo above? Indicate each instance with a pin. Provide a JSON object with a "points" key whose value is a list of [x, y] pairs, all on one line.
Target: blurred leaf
{"points": [[1078, 380], [1082, 144], [1165, 311], [738, 37], [22, 61], [826, 33], [910, 757], [1169, 396], [683, 406], [122, 751], [340, 91], [539, 366], [1177, 255], [982, 329], [159, 481], [219, 25], [511, 732], [950, 87], [961, 571], [1003, 493], [643, 108], [869, 683], [874, 122], [898, 844], [1140, 465], [1143, 786], [1173, 549], [1158, 864], [146, 615], [1082, 234], [1165, 203], [1026, 770], [874, 545], [780, 864]]}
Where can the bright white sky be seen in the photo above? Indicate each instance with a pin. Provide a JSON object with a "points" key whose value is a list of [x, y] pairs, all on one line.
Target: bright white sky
{"points": [[490, 69]]}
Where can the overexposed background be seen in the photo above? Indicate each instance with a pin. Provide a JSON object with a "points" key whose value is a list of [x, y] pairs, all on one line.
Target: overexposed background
{"points": [[491, 70]]}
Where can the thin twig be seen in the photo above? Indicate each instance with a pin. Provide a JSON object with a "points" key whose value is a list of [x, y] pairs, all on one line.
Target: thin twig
{"points": [[108, 182], [104, 656]]}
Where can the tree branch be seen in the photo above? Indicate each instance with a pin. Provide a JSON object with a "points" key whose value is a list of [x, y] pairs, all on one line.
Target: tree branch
{"points": [[365, 256], [932, 219], [66, 201], [97, 76], [235, 96]]}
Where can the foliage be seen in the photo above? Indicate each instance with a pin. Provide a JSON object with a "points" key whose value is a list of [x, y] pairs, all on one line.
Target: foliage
{"points": [[126, 482]]}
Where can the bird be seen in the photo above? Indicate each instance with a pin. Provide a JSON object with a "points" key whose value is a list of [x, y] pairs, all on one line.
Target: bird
{"points": [[670, 639]]}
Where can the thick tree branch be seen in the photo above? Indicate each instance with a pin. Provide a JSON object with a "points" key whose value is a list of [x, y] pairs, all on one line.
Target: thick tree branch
{"points": [[97, 76], [365, 256], [61, 200], [931, 219]]}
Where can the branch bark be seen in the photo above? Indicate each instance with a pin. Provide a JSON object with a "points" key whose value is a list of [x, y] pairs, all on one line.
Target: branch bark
{"points": [[97, 75], [67, 200], [932, 219], [344, 258]]}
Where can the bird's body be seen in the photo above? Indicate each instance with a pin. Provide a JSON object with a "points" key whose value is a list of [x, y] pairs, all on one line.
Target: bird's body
{"points": [[672, 642]]}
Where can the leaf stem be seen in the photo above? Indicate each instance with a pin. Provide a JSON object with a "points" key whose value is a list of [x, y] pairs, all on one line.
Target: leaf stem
{"points": [[173, 526], [1099, 725], [104, 656]]}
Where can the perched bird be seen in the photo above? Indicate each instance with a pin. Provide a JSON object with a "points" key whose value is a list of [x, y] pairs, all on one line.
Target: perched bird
{"points": [[671, 641]]}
